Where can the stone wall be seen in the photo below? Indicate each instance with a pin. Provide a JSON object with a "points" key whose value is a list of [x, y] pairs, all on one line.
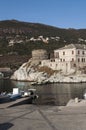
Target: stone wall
{"points": [[39, 55]]}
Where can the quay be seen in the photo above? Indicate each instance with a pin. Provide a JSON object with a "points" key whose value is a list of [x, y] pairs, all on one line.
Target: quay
{"points": [[40, 117]]}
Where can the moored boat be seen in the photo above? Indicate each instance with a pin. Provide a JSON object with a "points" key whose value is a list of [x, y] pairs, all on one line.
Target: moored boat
{"points": [[15, 95]]}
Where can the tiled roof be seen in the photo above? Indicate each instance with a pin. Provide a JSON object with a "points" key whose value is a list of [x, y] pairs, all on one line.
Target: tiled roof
{"points": [[71, 46]]}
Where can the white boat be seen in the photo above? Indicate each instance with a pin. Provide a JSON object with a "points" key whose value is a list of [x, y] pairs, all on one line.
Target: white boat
{"points": [[31, 93]]}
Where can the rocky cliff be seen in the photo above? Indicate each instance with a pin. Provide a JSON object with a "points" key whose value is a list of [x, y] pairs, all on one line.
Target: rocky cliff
{"points": [[33, 72]]}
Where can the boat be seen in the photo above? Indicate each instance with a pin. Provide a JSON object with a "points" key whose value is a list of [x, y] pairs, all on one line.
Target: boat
{"points": [[31, 94], [4, 98], [7, 97], [15, 95]]}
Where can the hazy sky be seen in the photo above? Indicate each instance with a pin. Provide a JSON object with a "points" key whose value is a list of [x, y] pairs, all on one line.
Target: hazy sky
{"points": [[60, 13]]}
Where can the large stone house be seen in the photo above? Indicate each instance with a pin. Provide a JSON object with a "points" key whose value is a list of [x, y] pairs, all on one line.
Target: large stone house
{"points": [[68, 58]]}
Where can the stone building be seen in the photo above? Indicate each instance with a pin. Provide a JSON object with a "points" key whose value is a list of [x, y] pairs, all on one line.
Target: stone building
{"points": [[39, 55], [68, 58]]}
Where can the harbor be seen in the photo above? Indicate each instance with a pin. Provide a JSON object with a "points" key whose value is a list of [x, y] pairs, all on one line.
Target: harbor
{"points": [[57, 107], [17, 98], [49, 94]]}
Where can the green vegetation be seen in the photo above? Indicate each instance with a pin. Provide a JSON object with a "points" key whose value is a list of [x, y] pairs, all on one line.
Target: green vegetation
{"points": [[27, 48], [13, 29], [17, 31]]}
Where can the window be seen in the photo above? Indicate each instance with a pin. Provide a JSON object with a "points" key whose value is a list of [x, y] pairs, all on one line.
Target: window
{"points": [[74, 65], [78, 60], [82, 60], [63, 59], [72, 52], [83, 52], [52, 60], [72, 59], [78, 52], [63, 53]]}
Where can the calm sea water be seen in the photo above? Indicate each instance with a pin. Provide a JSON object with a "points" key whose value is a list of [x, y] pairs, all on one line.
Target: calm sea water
{"points": [[50, 94]]}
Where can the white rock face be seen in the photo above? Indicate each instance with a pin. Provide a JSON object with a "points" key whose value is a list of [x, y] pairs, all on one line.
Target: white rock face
{"points": [[28, 72], [25, 73]]}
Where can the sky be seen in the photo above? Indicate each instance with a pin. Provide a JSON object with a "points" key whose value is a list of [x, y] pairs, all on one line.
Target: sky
{"points": [[58, 13]]}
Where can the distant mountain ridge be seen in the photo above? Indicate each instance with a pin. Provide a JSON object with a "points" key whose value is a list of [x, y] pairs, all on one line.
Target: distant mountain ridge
{"points": [[18, 39], [14, 36], [36, 29]]}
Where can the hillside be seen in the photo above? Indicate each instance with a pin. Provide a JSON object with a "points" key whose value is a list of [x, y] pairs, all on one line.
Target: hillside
{"points": [[20, 38]]}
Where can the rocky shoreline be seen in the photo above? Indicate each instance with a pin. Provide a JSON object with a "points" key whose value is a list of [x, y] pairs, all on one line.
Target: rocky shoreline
{"points": [[30, 72]]}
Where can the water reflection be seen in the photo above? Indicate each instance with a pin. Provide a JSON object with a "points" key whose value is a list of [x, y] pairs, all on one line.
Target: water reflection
{"points": [[5, 85], [51, 94]]}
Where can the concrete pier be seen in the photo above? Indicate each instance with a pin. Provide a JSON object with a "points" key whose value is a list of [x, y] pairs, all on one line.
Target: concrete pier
{"points": [[35, 117]]}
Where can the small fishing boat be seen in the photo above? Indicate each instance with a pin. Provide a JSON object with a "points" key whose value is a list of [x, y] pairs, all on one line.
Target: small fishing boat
{"points": [[31, 94], [4, 98]]}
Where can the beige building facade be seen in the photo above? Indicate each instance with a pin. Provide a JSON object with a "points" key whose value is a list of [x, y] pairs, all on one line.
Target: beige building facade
{"points": [[68, 58]]}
